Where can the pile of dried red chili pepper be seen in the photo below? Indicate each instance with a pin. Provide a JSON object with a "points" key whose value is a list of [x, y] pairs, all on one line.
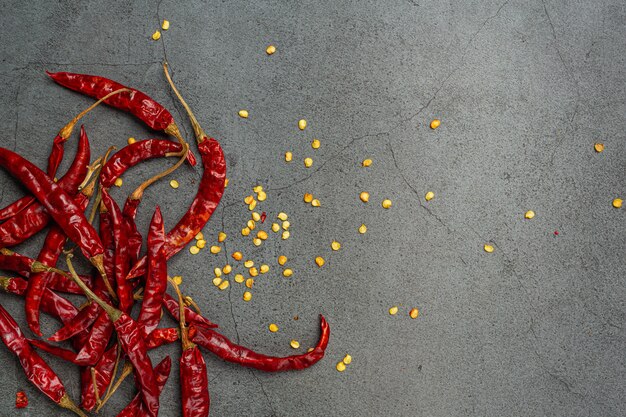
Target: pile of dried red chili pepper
{"points": [[107, 343]]}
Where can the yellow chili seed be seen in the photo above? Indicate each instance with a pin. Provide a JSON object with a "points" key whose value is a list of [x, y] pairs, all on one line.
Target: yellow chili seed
{"points": [[617, 203], [429, 196], [256, 216], [362, 229], [224, 285], [286, 224], [310, 350], [393, 310], [249, 199], [282, 216], [251, 224], [226, 183], [315, 144], [221, 236], [529, 214], [285, 235], [201, 243], [118, 182], [237, 256], [270, 50], [215, 249], [227, 269], [243, 114], [262, 196], [248, 264], [366, 162], [178, 279], [282, 260], [253, 271], [273, 328], [364, 196], [488, 248], [258, 189], [239, 278], [131, 141], [156, 35], [294, 344], [194, 250], [165, 25], [174, 184], [252, 205], [320, 261], [249, 282], [435, 124], [264, 269], [316, 203], [247, 296], [245, 231], [386, 204], [275, 227], [199, 236], [340, 366], [308, 197], [335, 245], [262, 235], [308, 162], [301, 124], [217, 281], [287, 273], [599, 147], [217, 272], [347, 359], [257, 241], [414, 313], [288, 156]]}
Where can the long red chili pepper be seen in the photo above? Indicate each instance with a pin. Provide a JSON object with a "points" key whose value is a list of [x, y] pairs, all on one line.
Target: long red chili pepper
{"points": [[54, 160], [130, 338], [37, 370], [190, 316], [59, 205], [95, 345], [136, 408], [209, 194], [231, 352], [104, 375], [135, 102]]}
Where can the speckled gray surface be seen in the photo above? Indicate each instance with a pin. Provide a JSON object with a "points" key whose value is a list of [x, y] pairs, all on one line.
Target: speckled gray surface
{"points": [[523, 89]]}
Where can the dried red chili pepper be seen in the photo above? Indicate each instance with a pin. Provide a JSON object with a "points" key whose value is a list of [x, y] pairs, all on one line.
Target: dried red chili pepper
{"points": [[209, 194], [136, 408], [95, 345], [57, 351], [104, 376], [161, 336], [60, 206], [21, 400], [36, 369], [132, 343], [134, 101], [263, 217], [231, 352], [190, 316]]}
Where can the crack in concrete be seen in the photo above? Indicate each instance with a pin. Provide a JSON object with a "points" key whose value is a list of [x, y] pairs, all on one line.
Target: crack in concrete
{"points": [[230, 287], [267, 397]]}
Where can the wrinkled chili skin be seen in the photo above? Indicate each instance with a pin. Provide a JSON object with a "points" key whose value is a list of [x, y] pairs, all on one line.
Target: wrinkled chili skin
{"points": [[231, 352], [190, 316], [16, 263], [194, 383], [15, 207], [135, 239], [57, 202], [156, 277], [59, 352], [136, 408], [204, 204], [95, 345], [106, 236], [35, 368], [160, 337], [104, 376]]}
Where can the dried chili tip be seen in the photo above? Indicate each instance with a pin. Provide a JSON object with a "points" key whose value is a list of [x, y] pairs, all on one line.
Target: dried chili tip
{"points": [[21, 400]]}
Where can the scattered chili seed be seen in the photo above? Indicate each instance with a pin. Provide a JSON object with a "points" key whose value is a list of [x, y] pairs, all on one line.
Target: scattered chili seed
{"points": [[201, 243], [217, 272], [386, 204], [414, 313], [237, 256], [429, 196], [215, 249], [488, 248], [165, 25], [131, 141], [257, 241], [529, 214], [248, 264], [226, 183], [243, 114], [247, 296], [393, 310], [270, 50], [282, 260], [256, 216], [199, 236], [227, 269], [285, 235], [174, 184], [119, 182], [362, 229], [366, 162], [320, 261], [308, 162], [315, 144], [340, 366], [245, 231], [275, 227], [223, 285], [262, 235], [316, 203], [258, 189], [294, 344], [249, 282], [282, 216], [435, 124], [617, 203], [253, 271], [156, 35], [288, 156], [364, 196], [251, 224], [252, 205], [217, 281], [287, 273], [239, 278], [194, 250], [262, 196], [347, 359], [310, 349], [286, 225], [264, 269], [273, 328], [308, 197], [599, 147], [301, 124], [335, 245], [221, 237]]}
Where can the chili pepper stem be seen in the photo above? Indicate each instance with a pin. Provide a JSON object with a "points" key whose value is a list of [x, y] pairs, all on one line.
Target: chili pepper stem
{"points": [[138, 193], [66, 402], [98, 262], [197, 129], [95, 385], [127, 370], [91, 170], [184, 332], [118, 355]]}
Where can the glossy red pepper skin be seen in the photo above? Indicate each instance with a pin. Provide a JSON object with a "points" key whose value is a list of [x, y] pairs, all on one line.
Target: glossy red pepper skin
{"points": [[194, 383], [15, 207], [231, 352], [191, 316], [161, 336], [135, 240], [93, 348], [204, 204], [156, 278], [59, 352], [104, 376], [106, 236], [136, 408]]}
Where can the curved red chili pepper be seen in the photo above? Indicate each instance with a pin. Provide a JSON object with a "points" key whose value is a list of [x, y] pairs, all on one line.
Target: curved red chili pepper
{"points": [[36, 369], [190, 316], [231, 352], [135, 102], [104, 375], [106, 236], [95, 345], [135, 239], [194, 383], [136, 408]]}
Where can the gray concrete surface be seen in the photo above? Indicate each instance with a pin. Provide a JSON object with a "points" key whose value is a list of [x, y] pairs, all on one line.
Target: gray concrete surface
{"points": [[523, 89]]}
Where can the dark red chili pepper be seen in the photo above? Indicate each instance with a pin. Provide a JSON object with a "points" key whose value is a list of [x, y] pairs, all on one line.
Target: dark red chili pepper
{"points": [[135, 239], [136, 408], [104, 376], [135, 102], [263, 217], [59, 352], [156, 278], [95, 345], [106, 236], [161, 336], [21, 400], [59, 205], [231, 352], [209, 194], [37, 370], [190, 316], [131, 340]]}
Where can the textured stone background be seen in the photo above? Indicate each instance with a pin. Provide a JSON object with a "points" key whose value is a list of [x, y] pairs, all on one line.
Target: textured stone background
{"points": [[523, 88]]}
